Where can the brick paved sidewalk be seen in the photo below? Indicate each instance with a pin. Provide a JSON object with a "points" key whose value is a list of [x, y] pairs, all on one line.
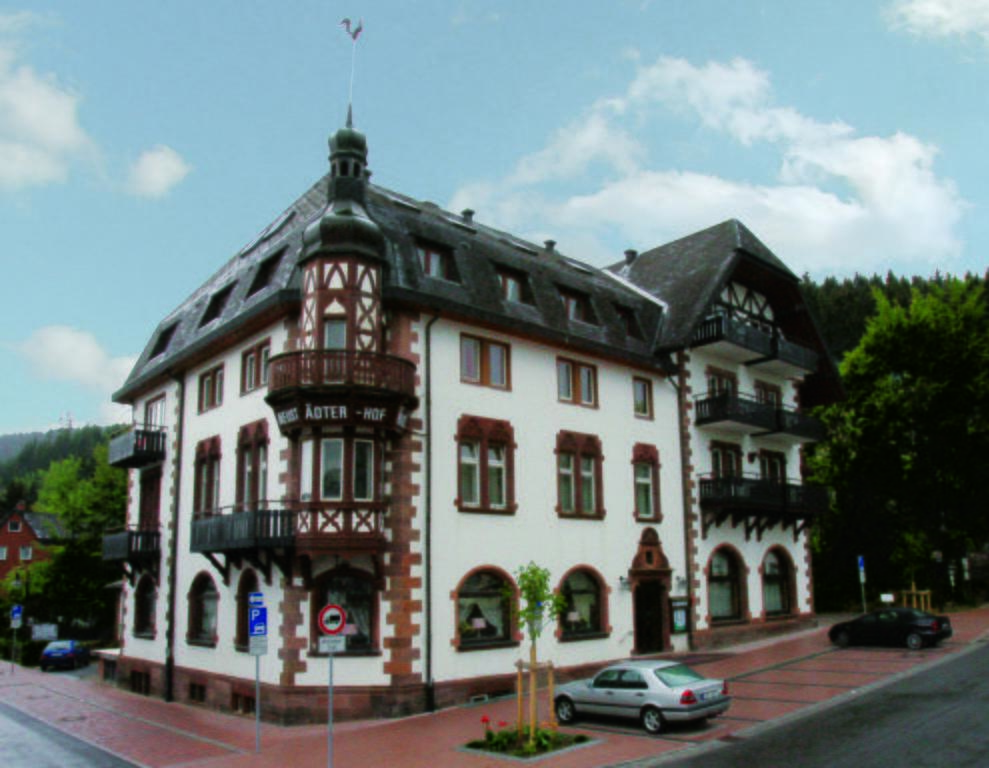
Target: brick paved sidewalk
{"points": [[767, 679]]}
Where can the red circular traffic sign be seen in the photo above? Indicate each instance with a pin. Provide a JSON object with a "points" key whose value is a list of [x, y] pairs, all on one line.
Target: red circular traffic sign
{"points": [[332, 619]]}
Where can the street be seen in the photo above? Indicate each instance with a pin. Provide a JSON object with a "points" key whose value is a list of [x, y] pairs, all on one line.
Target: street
{"points": [[938, 717], [29, 743]]}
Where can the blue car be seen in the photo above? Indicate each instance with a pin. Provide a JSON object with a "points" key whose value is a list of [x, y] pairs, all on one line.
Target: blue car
{"points": [[64, 653]]}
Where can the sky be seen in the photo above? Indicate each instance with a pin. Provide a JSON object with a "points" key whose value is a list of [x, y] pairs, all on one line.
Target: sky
{"points": [[143, 144]]}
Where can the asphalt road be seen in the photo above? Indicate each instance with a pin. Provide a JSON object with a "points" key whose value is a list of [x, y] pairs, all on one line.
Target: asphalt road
{"points": [[938, 717], [29, 743]]}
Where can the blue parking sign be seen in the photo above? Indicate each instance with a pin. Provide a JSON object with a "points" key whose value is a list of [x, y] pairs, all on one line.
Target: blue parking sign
{"points": [[17, 612], [257, 621]]}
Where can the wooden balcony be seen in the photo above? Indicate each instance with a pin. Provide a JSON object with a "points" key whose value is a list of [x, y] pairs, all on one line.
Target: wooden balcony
{"points": [[759, 504], [789, 359], [335, 388], [341, 369], [251, 529], [137, 447]]}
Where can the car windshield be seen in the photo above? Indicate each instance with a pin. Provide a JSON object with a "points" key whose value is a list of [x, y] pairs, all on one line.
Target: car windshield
{"points": [[59, 645], [677, 675]]}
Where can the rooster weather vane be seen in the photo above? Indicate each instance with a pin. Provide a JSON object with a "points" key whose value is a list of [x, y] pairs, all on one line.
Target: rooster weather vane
{"points": [[353, 32]]}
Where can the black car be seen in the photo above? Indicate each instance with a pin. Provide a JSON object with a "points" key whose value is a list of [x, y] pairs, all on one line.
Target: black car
{"points": [[64, 653], [892, 627]]}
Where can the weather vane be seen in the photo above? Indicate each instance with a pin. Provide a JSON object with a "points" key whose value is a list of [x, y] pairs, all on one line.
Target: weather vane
{"points": [[354, 34]]}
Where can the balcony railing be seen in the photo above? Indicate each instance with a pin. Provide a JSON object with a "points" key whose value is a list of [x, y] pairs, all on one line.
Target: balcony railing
{"points": [[758, 495], [330, 368], [137, 447], [252, 529], [728, 329], [316, 528], [747, 413], [738, 409], [131, 545]]}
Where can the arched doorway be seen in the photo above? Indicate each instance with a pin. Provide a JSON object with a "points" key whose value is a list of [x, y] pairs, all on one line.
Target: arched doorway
{"points": [[649, 578]]}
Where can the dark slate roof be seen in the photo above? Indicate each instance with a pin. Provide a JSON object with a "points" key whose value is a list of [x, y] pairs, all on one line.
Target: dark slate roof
{"points": [[478, 252], [689, 273], [46, 526]]}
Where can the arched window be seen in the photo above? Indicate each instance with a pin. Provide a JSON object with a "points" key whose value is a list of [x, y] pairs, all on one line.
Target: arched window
{"points": [[356, 593], [145, 604], [484, 615], [203, 600], [724, 586], [776, 573], [248, 583], [583, 615]]}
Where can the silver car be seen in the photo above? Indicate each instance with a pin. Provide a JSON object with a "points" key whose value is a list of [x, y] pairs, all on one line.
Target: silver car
{"points": [[654, 692]]}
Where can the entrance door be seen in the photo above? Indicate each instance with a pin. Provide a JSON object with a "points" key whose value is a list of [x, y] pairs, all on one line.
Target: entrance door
{"points": [[649, 599]]}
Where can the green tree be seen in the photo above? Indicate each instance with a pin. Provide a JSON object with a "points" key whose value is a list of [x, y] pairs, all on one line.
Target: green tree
{"points": [[905, 448]]}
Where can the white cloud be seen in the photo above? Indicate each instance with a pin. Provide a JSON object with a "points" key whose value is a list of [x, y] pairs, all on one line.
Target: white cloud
{"points": [[156, 172], [40, 134], [839, 202], [63, 353], [942, 18]]}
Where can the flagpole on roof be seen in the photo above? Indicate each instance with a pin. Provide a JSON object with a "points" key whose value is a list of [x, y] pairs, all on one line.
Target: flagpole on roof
{"points": [[353, 34]]}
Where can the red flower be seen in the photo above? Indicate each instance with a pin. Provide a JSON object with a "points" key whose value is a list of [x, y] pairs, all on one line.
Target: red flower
{"points": [[502, 724], [485, 719]]}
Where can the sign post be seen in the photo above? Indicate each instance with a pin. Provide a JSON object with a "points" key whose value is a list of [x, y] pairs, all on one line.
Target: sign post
{"points": [[16, 618], [332, 620], [257, 630], [862, 580]]}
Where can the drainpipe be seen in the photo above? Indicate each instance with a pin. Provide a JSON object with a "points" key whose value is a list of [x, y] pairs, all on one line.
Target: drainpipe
{"points": [[428, 520], [680, 385], [173, 547]]}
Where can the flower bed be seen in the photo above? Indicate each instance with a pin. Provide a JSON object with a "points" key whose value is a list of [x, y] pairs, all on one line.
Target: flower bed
{"points": [[513, 742]]}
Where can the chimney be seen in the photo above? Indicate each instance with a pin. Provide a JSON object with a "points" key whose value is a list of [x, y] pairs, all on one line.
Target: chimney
{"points": [[467, 215], [630, 256], [550, 245]]}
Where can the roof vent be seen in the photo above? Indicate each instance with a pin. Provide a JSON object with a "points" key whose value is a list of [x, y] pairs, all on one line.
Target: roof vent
{"points": [[550, 245], [631, 255], [468, 215]]}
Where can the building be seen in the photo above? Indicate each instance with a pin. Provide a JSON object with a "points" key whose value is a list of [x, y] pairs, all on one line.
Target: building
{"points": [[23, 537], [391, 407]]}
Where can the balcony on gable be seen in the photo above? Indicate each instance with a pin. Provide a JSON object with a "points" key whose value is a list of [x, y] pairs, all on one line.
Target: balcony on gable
{"points": [[735, 413], [759, 503], [736, 340], [746, 414], [139, 446], [341, 387]]}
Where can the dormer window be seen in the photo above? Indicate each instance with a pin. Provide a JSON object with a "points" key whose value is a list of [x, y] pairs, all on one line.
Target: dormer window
{"points": [[216, 304], [513, 286], [161, 343], [628, 321], [577, 306], [436, 262], [266, 270]]}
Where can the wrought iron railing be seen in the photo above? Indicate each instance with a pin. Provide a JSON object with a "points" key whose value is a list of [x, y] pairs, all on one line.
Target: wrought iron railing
{"points": [[760, 494], [743, 409], [137, 447], [730, 329], [130, 545]]}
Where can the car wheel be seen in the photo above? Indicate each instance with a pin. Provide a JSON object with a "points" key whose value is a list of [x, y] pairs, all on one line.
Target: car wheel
{"points": [[565, 711], [843, 639], [914, 641], [652, 720]]}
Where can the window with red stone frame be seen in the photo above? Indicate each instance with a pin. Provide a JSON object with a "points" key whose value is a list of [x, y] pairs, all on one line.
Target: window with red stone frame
{"points": [[206, 482], [211, 389], [580, 494], [645, 483], [254, 367], [485, 466], [252, 465]]}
